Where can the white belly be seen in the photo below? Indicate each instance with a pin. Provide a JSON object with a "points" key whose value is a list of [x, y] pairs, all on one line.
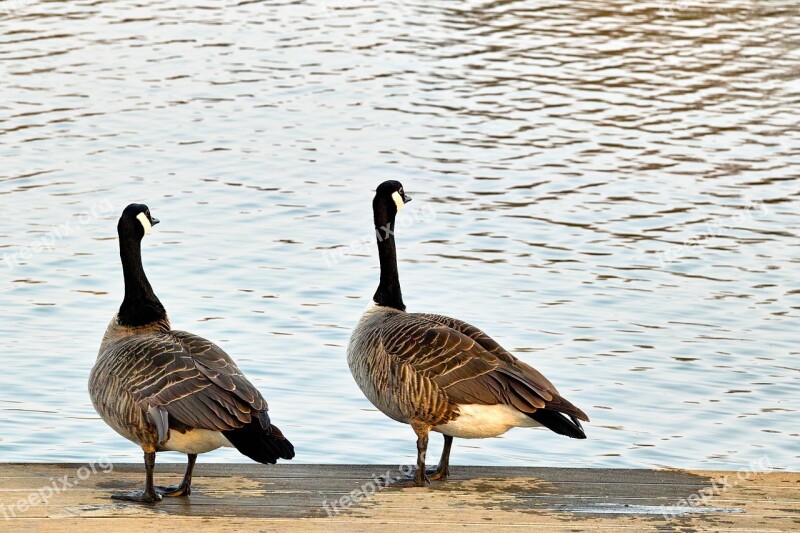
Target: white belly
{"points": [[194, 441], [481, 421]]}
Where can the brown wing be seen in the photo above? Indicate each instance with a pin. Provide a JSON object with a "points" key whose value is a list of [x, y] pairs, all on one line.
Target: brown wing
{"points": [[194, 380], [469, 365]]}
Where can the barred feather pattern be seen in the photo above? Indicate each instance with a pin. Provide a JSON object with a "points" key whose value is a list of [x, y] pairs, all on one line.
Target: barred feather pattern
{"points": [[194, 380], [417, 368]]}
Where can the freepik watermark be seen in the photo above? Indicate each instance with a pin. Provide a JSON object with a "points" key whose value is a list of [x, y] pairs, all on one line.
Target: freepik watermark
{"points": [[668, 8], [47, 241], [416, 215], [740, 10], [718, 487], [713, 229], [57, 486], [10, 8], [367, 490]]}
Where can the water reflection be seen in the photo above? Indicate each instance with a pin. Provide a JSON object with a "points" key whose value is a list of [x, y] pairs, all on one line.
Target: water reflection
{"points": [[613, 180]]}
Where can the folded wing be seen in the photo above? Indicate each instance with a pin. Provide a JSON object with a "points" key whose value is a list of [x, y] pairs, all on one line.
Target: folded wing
{"points": [[470, 366], [196, 382]]}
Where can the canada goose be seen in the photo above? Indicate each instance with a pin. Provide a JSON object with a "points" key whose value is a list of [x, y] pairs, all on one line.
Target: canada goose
{"points": [[441, 374], [169, 390]]}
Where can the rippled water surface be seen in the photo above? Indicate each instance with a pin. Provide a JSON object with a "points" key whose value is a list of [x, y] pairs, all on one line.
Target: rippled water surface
{"points": [[609, 188]]}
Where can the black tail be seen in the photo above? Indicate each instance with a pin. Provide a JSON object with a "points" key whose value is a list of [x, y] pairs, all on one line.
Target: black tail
{"points": [[262, 445], [559, 423]]}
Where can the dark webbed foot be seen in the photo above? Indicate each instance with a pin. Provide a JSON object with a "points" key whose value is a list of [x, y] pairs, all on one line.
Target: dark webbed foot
{"points": [[148, 495], [174, 491], [437, 474], [421, 478], [185, 488], [138, 496], [410, 480], [416, 479]]}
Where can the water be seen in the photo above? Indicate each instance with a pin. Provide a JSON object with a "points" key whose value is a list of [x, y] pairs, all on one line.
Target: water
{"points": [[609, 188]]}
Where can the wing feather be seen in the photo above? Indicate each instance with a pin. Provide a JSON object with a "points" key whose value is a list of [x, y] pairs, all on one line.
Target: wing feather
{"points": [[468, 365], [192, 380]]}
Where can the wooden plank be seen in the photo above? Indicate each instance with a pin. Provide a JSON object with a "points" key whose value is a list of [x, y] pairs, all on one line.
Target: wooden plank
{"points": [[301, 497]]}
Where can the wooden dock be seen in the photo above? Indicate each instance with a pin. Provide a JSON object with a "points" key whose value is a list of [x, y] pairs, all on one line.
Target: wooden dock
{"points": [[295, 497]]}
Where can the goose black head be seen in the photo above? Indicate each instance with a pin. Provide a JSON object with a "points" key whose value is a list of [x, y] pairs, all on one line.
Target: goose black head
{"points": [[140, 305], [136, 221], [389, 200]]}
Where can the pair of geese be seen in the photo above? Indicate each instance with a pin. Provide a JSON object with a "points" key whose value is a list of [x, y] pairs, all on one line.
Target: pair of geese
{"points": [[169, 390]]}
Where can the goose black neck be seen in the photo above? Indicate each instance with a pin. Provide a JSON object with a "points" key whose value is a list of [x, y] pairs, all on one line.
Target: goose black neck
{"points": [[388, 293], [140, 306]]}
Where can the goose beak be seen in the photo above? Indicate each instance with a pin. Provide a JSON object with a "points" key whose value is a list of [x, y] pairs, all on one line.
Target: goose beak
{"points": [[154, 220], [406, 198]]}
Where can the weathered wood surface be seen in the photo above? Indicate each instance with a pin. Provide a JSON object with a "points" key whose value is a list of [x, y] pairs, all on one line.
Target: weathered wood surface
{"points": [[252, 497]]}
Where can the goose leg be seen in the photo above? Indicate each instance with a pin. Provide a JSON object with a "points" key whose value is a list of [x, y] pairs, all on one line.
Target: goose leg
{"points": [[421, 477], [185, 488], [149, 494], [441, 473]]}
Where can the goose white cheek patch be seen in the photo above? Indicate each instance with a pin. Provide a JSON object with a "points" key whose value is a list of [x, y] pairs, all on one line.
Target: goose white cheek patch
{"points": [[145, 223], [398, 200]]}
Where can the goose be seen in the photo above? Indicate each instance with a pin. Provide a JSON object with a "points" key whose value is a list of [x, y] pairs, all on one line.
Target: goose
{"points": [[169, 390], [441, 374]]}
